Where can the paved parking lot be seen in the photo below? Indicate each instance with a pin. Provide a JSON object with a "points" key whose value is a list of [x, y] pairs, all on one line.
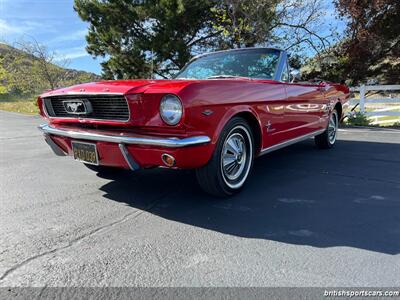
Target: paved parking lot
{"points": [[306, 218]]}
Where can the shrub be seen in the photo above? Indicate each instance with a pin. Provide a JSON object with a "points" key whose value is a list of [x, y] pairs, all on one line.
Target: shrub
{"points": [[358, 119]]}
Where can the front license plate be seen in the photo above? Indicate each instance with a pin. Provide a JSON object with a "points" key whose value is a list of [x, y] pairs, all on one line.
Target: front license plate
{"points": [[85, 152]]}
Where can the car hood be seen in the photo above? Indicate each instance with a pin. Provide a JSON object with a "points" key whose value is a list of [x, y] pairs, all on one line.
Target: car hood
{"points": [[123, 87]]}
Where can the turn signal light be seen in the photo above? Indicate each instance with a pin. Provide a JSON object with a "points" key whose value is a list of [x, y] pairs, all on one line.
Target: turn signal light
{"points": [[168, 160]]}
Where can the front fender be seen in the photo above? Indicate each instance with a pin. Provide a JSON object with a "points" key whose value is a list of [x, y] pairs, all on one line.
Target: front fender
{"points": [[229, 114], [213, 124]]}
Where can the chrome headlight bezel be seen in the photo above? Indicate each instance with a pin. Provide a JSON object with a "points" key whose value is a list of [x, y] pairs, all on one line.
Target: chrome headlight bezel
{"points": [[171, 109]]}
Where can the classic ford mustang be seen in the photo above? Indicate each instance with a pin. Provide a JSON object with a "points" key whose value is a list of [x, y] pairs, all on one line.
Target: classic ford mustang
{"points": [[220, 112]]}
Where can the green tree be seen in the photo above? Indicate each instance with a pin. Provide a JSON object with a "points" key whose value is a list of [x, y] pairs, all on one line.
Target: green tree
{"points": [[289, 24], [138, 38], [372, 44], [329, 65], [142, 37], [245, 23]]}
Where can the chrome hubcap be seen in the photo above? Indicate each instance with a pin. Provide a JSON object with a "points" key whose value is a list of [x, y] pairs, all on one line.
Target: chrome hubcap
{"points": [[234, 156], [332, 127]]}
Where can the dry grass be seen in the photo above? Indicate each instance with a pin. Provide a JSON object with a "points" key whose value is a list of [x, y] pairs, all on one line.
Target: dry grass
{"points": [[24, 107]]}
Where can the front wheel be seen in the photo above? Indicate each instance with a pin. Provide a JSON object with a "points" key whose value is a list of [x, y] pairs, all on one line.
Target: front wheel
{"points": [[327, 139], [231, 163]]}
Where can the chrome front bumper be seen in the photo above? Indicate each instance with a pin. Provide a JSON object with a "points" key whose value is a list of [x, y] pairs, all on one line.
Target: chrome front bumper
{"points": [[91, 135]]}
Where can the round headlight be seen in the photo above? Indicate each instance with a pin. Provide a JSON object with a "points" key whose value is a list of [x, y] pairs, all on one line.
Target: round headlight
{"points": [[171, 109]]}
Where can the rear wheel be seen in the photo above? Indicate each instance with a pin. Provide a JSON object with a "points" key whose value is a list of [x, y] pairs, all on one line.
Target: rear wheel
{"points": [[327, 139], [232, 160]]}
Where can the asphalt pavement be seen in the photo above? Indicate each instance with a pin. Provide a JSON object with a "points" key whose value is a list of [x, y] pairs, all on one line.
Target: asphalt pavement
{"points": [[307, 217]]}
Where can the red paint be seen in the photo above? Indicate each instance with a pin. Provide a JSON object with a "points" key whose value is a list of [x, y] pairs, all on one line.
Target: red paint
{"points": [[290, 109]]}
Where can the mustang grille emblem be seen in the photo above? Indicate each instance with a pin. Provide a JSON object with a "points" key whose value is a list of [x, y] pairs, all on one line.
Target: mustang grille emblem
{"points": [[77, 107]]}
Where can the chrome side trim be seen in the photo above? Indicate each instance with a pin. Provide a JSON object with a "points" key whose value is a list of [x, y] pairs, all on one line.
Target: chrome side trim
{"points": [[56, 149], [172, 142], [290, 142], [128, 158]]}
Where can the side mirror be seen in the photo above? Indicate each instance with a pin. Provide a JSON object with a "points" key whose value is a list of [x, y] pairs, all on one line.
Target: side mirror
{"points": [[295, 75]]}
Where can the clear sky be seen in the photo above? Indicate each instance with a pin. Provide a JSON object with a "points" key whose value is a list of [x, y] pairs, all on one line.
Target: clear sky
{"points": [[55, 24]]}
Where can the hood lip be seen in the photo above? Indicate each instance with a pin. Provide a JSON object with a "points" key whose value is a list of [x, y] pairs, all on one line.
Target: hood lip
{"points": [[55, 93], [80, 89], [123, 87]]}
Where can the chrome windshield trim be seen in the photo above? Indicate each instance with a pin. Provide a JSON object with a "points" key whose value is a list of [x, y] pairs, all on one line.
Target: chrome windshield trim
{"points": [[131, 140], [280, 65], [281, 55], [236, 49], [290, 142]]}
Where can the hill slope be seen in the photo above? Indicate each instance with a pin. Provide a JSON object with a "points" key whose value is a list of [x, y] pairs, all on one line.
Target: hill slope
{"points": [[22, 75]]}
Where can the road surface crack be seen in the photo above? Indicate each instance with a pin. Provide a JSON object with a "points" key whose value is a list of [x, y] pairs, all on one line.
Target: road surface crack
{"points": [[71, 243]]}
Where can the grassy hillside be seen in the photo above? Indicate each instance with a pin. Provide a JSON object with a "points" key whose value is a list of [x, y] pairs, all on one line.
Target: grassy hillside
{"points": [[22, 79]]}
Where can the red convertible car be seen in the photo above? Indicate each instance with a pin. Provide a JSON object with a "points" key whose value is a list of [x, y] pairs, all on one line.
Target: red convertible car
{"points": [[219, 113]]}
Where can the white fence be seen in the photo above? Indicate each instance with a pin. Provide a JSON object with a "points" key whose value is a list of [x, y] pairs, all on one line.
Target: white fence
{"points": [[390, 105]]}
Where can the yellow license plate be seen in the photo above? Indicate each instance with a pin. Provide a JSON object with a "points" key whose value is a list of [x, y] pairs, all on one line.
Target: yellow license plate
{"points": [[85, 152]]}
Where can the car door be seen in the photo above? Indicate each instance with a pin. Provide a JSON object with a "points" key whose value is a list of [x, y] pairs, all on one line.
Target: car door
{"points": [[272, 113], [304, 108]]}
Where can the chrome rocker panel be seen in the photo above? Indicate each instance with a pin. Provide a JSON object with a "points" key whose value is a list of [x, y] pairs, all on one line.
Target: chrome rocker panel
{"points": [[290, 142]]}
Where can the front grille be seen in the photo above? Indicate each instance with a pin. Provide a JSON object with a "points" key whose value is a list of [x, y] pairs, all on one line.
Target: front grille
{"points": [[103, 107]]}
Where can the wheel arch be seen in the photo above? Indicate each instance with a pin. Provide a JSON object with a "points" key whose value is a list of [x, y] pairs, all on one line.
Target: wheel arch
{"points": [[339, 108], [251, 118]]}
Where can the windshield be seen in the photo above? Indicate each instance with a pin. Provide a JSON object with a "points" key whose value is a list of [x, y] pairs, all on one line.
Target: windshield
{"points": [[251, 63]]}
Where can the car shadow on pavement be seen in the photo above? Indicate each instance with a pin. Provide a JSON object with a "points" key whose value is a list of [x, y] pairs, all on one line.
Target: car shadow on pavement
{"points": [[348, 196]]}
